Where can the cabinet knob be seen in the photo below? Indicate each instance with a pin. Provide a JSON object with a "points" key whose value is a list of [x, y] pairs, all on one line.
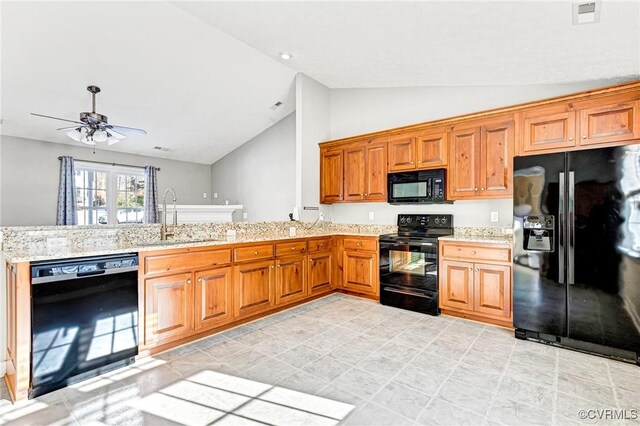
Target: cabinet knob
{"points": [[366, 195], [189, 281], [419, 161], [481, 189], [359, 244], [322, 245], [271, 266], [584, 136], [477, 270], [473, 252], [293, 248], [255, 252], [199, 280], [570, 139], [412, 162], [475, 189]]}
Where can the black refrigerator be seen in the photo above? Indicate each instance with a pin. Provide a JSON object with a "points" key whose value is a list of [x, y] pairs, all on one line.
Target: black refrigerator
{"points": [[576, 262]]}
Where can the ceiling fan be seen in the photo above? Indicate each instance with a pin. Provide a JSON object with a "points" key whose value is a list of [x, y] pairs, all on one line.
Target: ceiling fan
{"points": [[94, 127]]}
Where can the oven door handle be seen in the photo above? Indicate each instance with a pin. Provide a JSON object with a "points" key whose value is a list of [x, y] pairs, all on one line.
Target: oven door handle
{"points": [[408, 292]]}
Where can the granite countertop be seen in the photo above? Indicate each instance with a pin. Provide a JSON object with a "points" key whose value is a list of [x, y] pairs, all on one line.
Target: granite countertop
{"points": [[40, 252]]}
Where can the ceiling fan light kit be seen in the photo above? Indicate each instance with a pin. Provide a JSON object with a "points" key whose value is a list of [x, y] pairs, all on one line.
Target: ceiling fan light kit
{"points": [[94, 127]]}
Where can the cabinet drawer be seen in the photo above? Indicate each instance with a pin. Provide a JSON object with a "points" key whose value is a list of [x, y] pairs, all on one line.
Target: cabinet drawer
{"points": [[320, 245], [243, 254], [284, 249], [360, 244], [183, 261], [476, 252]]}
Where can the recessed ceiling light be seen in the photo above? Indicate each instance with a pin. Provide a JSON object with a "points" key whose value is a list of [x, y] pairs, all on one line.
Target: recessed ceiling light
{"points": [[285, 56]]}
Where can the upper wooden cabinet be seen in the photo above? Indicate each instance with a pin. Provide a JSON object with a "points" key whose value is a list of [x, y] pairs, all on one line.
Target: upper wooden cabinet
{"points": [[548, 129], [363, 176], [420, 151], [481, 161], [609, 119], [331, 175], [602, 121]]}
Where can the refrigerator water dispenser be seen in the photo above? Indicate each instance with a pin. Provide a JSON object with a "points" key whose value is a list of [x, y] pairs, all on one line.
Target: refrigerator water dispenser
{"points": [[539, 233]]}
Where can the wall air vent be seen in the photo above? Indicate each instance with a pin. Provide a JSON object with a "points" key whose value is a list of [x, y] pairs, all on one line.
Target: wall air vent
{"points": [[586, 13], [277, 105], [160, 148]]}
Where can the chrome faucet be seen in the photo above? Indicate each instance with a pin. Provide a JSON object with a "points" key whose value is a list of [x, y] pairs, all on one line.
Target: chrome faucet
{"points": [[164, 232]]}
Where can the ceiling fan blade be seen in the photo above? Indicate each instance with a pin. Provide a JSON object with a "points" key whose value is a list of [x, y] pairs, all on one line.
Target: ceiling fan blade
{"points": [[69, 128], [56, 118], [113, 133], [127, 130], [113, 141]]}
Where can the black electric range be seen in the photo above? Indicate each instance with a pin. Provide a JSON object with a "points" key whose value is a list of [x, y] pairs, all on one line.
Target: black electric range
{"points": [[409, 262]]}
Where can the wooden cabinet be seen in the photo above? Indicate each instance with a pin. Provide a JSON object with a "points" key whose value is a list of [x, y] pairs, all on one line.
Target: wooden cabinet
{"points": [[402, 154], [612, 119], [183, 292], [548, 129], [456, 288], [360, 265], [213, 298], [376, 172], [291, 279], [481, 160], [320, 271], [168, 308], [492, 289], [419, 151], [355, 174], [601, 121], [254, 288], [475, 281], [18, 315], [331, 175]]}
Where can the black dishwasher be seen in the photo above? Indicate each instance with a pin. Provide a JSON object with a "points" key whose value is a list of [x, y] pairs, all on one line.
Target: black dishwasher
{"points": [[84, 319]]}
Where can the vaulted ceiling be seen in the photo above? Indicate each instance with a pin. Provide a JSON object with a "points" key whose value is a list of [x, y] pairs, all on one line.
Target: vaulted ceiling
{"points": [[202, 76]]}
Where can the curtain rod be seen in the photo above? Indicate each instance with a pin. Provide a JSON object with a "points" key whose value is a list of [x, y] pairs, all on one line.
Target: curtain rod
{"points": [[110, 164]]}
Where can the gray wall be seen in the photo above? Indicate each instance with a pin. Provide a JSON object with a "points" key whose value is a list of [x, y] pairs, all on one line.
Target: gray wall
{"points": [[29, 177], [260, 174]]}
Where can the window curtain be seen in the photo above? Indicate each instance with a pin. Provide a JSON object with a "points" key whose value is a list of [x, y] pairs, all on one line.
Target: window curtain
{"points": [[150, 194], [67, 214]]}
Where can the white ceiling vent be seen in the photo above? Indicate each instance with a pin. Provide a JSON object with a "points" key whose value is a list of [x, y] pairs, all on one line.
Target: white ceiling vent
{"points": [[586, 13]]}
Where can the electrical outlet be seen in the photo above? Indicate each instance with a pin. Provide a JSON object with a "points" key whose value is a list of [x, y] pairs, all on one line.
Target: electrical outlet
{"points": [[320, 216], [494, 217], [54, 243], [204, 195], [215, 195], [245, 215], [372, 216]]}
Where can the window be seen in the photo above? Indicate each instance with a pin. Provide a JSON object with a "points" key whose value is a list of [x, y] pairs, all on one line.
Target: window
{"points": [[109, 194]]}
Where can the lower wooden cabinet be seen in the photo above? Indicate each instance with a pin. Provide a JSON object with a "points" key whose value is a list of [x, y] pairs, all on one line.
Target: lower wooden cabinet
{"points": [[213, 298], [474, 284], [360, 270], [291, 279], [320, 271], [168, 308], [254, 288]]}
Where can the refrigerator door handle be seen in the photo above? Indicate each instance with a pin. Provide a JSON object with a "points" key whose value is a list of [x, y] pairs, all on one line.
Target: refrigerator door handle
{"points": [[572, 231], [561, 229]]}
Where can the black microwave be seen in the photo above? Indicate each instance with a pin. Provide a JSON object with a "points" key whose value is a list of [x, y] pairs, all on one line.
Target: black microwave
{"points": [[424, 186]]}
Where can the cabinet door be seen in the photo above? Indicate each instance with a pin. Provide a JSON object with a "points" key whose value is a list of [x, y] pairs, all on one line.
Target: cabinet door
{"points": [[610, 121], [291, 279], [331, 176], [320, 272], [212, 298], [254, 289], [464, 167], [492, 290], [432, 150], [168, 308], [361, 272], [496, 168], [402, 154], [354, 173], [456, 285], [376, 184], [548, 130]]}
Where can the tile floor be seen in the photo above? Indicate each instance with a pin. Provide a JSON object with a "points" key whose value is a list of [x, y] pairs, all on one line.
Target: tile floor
{"points": [[346, 360]]}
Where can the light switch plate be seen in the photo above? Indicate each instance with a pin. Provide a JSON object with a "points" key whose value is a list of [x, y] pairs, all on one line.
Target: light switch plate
{"points": [[494, 217], [245, 215], [372, 216], [215, 195]]}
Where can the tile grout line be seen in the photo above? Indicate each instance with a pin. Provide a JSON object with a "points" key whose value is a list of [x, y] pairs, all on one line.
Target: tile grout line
{"points": [[554, 403], [494, 394]]}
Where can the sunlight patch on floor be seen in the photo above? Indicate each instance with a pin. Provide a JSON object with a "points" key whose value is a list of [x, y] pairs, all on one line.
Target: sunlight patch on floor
{"points": [[120, 374], [211, 397]]}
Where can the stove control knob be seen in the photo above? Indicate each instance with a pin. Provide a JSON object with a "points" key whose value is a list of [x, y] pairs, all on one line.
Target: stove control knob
{"points": [[403, 220], [437, 221], [443, 220]]}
